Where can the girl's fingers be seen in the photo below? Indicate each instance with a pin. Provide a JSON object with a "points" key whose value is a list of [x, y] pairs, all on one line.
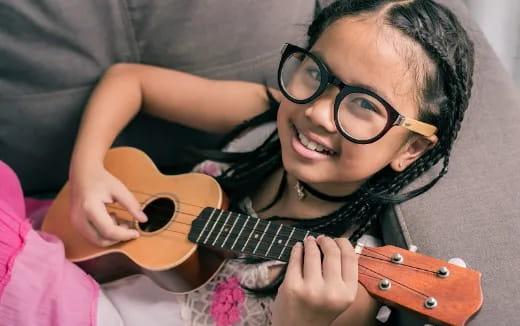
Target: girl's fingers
{"points": [[331, 258], [312, 261], [349, 260], [89, 232], [294, 267], [106, 227], [123, 196]]}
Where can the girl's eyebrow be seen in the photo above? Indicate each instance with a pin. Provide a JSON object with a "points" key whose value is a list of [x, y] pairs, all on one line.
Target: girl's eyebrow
{"points": [[355, 84]]}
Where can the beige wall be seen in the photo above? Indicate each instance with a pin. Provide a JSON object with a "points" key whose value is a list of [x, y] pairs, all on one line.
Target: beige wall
{"points": [[500, 22]]}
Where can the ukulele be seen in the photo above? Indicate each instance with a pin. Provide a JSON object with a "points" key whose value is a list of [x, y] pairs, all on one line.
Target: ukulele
{"points": [[186, 215]]}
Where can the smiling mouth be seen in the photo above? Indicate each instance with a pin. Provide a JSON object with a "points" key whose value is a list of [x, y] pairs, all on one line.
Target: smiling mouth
{"points": [[311, 145]]}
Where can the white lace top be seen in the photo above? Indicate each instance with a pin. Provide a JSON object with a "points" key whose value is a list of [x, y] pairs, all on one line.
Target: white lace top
{"points": [[222, 301]]}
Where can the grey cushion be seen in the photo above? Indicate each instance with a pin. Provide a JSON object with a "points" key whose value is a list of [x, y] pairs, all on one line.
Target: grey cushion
{"points": [[53, 52], [472, 213]]}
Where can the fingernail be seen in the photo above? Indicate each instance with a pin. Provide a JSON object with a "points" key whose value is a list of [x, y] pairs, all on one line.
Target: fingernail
{"points": [[297, 244], [142, 216], [137, 234], [320, 236], [310, 238]]}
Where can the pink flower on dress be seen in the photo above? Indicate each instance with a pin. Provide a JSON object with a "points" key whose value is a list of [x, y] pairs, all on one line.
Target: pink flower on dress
{"points": [[210, 168], [228, 298]]}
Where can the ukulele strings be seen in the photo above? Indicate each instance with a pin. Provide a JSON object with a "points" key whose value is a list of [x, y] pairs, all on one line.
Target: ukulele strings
{"points": [[282, 237], [360, 264], [285, 246], [386, 259], [390, 279]]}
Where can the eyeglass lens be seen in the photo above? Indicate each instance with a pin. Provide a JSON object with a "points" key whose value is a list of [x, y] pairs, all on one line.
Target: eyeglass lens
{"points": [[359, 115]]}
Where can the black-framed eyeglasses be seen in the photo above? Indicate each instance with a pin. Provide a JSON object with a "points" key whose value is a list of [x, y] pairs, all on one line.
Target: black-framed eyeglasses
{"points": [[360, 115]]}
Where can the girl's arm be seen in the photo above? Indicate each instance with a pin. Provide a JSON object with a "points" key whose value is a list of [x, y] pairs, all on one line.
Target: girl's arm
{"points": [[209, 105]]}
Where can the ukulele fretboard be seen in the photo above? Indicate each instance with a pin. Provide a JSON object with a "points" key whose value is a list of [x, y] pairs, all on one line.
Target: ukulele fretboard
{"points": [[246, 234]]}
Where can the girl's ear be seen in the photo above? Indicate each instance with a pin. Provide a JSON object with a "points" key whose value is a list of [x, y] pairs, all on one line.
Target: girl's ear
{"points": [[413, 149]]}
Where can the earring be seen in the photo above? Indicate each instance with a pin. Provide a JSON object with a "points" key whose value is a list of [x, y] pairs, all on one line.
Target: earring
{"points": [[400, 164]]}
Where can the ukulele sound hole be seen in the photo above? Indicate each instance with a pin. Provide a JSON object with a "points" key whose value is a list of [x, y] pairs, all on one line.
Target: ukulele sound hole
{"points": [[159, 212]]}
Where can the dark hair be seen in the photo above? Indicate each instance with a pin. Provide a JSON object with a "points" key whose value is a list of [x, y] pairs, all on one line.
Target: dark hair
{"points": [[443, 98]]}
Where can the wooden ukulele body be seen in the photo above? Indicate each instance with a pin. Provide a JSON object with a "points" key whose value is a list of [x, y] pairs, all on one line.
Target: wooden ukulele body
{"points": [[163, 251]]}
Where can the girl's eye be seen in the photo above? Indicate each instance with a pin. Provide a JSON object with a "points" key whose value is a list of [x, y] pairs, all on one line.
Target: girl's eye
{"points": [[313, 73], [365, 104]]}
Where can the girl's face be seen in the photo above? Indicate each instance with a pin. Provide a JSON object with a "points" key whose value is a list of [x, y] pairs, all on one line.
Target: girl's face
{"points": [[362, 53]]}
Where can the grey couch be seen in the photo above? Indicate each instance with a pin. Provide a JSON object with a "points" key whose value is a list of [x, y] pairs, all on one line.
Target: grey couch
{"points": [[52, 52], [473, 213]]}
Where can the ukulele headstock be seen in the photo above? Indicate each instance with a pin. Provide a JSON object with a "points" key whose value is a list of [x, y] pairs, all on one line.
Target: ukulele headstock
{"points": [[441, 292]]}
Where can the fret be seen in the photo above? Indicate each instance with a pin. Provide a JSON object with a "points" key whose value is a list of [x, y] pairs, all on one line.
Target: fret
{"points": [[240, 232], [249, 237], [223, 228], [236, 220], [278, 243], [213, 227], [267, 236], [297, 235], [205, 224], [261, 237], [286, 243], [272, 241]]}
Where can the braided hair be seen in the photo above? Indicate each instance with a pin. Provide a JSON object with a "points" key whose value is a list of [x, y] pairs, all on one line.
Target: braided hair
{"points": [[443, 97]]}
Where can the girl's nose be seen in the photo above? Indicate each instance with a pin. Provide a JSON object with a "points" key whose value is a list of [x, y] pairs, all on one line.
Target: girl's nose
{"points": [[321, 111]]}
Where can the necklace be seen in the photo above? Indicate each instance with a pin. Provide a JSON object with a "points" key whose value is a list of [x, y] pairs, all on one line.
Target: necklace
{"points": [[301, 187], [300, 191]]}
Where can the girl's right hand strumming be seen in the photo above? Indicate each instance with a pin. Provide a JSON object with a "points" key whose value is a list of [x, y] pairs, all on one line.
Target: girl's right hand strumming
{"points": [[90, 192]]}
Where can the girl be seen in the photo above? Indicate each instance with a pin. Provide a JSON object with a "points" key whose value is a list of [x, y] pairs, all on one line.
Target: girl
{"points": [[374, 100]]}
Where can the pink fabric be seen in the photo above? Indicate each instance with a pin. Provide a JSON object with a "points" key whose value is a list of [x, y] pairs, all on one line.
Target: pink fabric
{"points": [[13, 227], [38, 286], [35, 210]]}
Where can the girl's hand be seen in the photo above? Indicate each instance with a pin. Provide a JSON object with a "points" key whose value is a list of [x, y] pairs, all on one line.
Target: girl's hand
{"points": [[316, 292], [90, 192]]}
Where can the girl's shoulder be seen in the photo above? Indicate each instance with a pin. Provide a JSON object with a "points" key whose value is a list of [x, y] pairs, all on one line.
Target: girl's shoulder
{"points": [[248, 140], [251, 138]]}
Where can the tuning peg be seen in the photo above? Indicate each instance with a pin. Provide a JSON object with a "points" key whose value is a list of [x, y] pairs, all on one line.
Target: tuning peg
{"points": [[443, 272], [385, 284], [397, 258], [430, 303]]}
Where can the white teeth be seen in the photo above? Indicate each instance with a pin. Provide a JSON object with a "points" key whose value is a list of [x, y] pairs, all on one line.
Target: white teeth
{"points": [[313, 146], [303, 139]]}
